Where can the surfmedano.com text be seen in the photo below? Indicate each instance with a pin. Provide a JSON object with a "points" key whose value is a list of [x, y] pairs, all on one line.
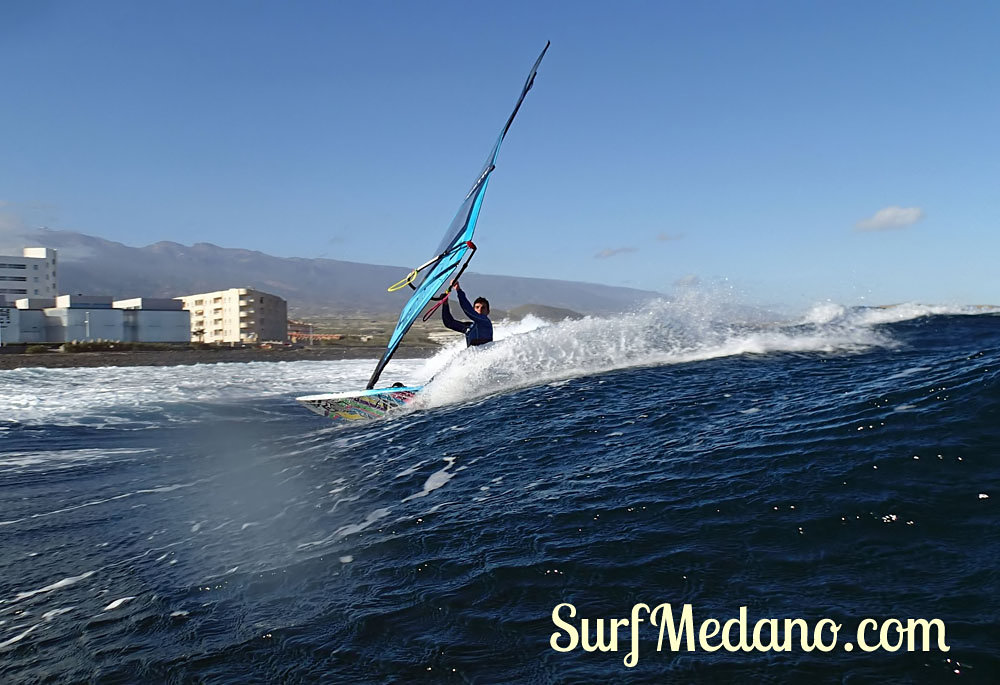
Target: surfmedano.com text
{"points": [[679, 633]]}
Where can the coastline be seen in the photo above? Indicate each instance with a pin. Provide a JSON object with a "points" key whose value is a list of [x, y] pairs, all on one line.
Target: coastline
{"points": [[65, 360]]}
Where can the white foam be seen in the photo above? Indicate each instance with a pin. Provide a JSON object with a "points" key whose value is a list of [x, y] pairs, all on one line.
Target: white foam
{"points": [[117, 603], [824, 313], [525, 353], [358, 527], [910, 310], [18, 638], [118, 396], [907, 372], [166, 488], [663, 333], [436, 480], [828, 313], [56, 459], [58, 585], [49, 615], [411, 470]]}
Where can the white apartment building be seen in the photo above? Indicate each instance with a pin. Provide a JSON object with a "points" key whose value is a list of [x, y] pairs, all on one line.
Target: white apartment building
{"points": [[237, 315], [33, 274]]}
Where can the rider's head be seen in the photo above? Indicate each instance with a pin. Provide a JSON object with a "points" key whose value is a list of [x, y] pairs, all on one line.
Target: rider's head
{"points": [[482, 306]]}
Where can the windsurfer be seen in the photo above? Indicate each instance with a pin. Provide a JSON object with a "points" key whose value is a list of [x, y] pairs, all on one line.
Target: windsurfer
{"points": [[479, 331]]}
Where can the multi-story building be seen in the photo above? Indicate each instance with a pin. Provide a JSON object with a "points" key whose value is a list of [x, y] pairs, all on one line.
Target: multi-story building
{"points": [[93, 317], [33, 274], [237, 315], [146, 319], [41, 315], [83, 317]]}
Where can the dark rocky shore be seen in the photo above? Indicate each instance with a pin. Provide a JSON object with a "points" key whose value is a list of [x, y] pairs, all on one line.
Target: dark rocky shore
{"points": [[58, 360]]}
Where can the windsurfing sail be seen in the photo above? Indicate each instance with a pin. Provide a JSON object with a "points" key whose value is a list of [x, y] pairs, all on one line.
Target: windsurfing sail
{"points": [[455, 247]]}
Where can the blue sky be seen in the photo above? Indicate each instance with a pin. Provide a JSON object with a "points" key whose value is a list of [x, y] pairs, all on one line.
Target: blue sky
{"points": [[796, 152]]}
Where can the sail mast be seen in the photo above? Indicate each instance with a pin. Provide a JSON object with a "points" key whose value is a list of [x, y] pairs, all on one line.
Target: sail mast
{"points": [[456, 242]]}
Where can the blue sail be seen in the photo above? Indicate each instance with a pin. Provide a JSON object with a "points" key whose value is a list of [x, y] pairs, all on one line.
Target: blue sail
{"points": [[455, 245]]}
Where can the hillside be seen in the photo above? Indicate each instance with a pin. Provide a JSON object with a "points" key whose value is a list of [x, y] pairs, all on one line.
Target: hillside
{"points": [[312, 287]]}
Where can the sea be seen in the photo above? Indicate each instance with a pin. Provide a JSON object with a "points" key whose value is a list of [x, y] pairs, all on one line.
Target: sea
{"points": [[677, 494]]}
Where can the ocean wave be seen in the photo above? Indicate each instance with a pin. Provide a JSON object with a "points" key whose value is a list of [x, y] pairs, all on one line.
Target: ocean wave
{"points": [[142, 397], [525, 353], [832, 313], [678, 332], [780, 460]]}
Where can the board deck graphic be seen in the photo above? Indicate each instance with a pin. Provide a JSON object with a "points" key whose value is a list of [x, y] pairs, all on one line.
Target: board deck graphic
{"points": [[355, 406]]}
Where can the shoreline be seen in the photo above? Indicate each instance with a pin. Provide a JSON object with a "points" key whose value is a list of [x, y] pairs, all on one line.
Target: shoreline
{"points": [[68, 360]]}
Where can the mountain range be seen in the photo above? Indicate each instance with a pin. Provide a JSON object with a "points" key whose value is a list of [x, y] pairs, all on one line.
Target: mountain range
{"points": [[312, 287]]}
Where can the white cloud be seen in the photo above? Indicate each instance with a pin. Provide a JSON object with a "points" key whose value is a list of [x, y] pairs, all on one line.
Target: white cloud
{"points": [[689, 281], [612, 251], [891, 218], [669, 236]]}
